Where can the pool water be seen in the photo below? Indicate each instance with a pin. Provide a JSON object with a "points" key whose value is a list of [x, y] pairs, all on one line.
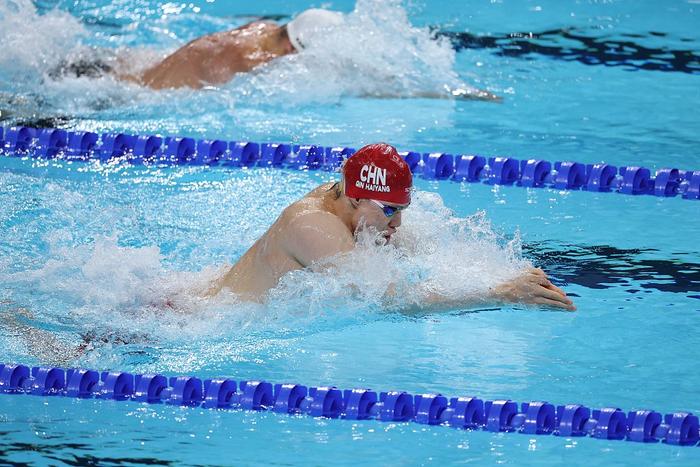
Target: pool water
{"points": [[90, 249]]}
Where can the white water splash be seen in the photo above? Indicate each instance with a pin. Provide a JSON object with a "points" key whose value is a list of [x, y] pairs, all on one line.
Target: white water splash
{"points": [[109, 286], [32, 43], [432, 251], [376, 52]]}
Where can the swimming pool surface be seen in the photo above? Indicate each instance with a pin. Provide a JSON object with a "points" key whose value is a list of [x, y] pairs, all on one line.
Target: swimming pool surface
{"points": [[89, 249]]}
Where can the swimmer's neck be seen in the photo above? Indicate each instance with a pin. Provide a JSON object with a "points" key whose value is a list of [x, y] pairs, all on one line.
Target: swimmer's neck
{"points": [[340, 206], [275, 42]]}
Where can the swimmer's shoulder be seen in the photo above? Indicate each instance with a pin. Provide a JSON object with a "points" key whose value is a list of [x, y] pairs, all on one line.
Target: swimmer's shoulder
{"points": [[311, 211], [314, 234], [312, 201], [314, 217], [320, 190], [236, 36], [307, 221], [253, 28]]}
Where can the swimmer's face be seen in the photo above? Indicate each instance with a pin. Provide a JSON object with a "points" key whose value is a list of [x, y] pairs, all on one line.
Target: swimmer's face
{"points": [[373, 215]]}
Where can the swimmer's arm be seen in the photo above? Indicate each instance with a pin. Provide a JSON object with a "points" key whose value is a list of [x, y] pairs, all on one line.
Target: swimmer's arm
{"points": [[472, 94], [459, 93], [428, 301], [315, 236], [530, 288]]}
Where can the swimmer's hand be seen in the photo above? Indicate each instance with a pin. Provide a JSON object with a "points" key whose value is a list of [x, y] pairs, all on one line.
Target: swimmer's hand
{"points": [[533, 288]]}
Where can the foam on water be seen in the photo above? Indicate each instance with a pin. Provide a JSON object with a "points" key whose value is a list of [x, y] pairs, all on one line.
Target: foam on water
{"points": [[433, 251], [31, 44], [376, 52]]}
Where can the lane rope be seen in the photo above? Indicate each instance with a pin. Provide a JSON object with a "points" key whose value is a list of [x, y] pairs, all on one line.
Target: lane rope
{"points": [[530, 173], [470, 413]]}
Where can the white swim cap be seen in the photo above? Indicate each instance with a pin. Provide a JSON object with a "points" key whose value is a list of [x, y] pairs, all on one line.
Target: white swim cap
{"points": [[302, 28]]}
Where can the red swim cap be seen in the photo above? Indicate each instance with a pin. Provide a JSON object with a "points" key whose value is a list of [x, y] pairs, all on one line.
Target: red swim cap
{"points": [[378, 172]]}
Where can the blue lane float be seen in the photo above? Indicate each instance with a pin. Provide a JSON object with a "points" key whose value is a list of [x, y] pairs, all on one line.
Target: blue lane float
{"points": [[467, 413], [530, 173]]}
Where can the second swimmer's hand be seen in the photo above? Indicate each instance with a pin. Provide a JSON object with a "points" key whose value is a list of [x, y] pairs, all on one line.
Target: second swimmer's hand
{"points": [[474, 94], [533, 288]]}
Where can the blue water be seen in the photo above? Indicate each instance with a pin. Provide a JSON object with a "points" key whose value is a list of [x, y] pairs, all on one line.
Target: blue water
{"points": [[88, 248]]}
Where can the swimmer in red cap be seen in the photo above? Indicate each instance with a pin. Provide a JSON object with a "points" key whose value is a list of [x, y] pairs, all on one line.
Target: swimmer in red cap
{"points": [[374, 190]]}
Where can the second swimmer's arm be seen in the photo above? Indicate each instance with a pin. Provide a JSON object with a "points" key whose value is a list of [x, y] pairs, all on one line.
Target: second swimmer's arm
{"points": [[458, 93]]}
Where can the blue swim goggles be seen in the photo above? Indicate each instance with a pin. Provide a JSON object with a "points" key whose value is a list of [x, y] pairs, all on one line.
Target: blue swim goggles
{"points": [[389, 211]]}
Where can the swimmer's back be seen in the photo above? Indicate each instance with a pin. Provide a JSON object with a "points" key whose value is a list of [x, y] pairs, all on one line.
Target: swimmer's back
{"points": [[212, 59]]}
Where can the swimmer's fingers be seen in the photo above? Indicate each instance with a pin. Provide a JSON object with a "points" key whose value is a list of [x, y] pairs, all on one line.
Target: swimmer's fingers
{"points": [[551, 286], [545, 282], [554, 304], [536, 272], [551, 295], [539, 276]]}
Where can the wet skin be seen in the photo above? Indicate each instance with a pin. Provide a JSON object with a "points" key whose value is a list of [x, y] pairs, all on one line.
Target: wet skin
{"points": [[216, 58]]}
